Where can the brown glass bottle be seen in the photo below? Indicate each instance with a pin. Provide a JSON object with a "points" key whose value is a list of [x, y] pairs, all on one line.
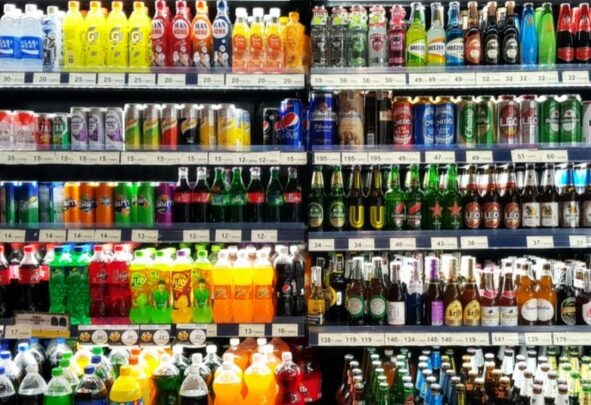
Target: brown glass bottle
{"points": [[376, 206], [570, 216], [491, 202], [549, 199], [511, 201], [508, 308], [586, 202], [530, 200], [376, 299], [526, 296], [472, 202], [356, 203], [470, 297], [489, 308], [472, 37], [502, 392], [452, 297], [479, 396], [491, 37], [547, 298]]}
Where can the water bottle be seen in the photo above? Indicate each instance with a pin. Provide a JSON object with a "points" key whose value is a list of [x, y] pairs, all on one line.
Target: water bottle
{"points": [[32, 388], [24, 358], [91, 389], [9, 38], [7, 392], [56, 352], [52, 38], [31, 40], [319, 38], [193, 390], [11, 371]]}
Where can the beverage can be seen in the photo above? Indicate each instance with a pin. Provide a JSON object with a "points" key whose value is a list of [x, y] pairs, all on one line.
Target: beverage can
{"points": [[528, 119], [60, 131], [466, 120], [226, 123], [549, 109], [207, 116], [79, 128], [133, 126], [8, 203], [28, 202], [6, 129], [164, 202], [104, 204], [96, 128], [485, 122], [151, 132], [245, 126], [291, 129], [87, 203], [46, 215], [402, 110], [43, 131], [445, 122], [423, 121], [270, 126], [570, 119], [114, 127], [170, 126], [323, 118], [123, 197], [145, 203], [188, 123], [508, 120], [239, 135], [57, 202], [351, 120], [71, 202], [586, 123]]}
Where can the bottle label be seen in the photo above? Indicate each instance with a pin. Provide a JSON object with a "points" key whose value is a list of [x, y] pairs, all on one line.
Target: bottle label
{"points": [[31, 48], [586, 311], [377, 307], [415, 287], [181, 289], [472, 313], [545, 310], [28, 276], [492, 49], [398, 215], [237, 199], [413, 215], [292, 198], [472, 215], [315, 215], [396, 313], [218, 199], [8, 47], [509, 316], [586, 215], [583, 53], [565, 53], [200, 198], [43, 272], [510, 48], [436, 51], [263, 292], [512, 215], [222, 292], [437, 313], [377, 216], [453, 313], [568, 311], [355, 307], [275, 200], [492, 215], [489, 316], [529, 310], [336, 214], [455, 51], [242, 292], [417, 51], [474, 49], [570, 214], [4, 277], [183, 198], [549, 214], [356, 216], [255, 198], [530, 214], [396, 48]]}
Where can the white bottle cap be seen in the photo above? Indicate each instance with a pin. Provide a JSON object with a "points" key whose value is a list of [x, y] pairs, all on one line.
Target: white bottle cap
{"points": [[286, 356]]}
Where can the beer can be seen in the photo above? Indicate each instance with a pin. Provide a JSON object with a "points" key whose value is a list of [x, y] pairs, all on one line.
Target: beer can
{"points": [[508, 120], [570, 119], [43, 131], [28, 202], [6, 130], [385, 129], [323, 118], [586, 123], [170, 126], [123, 197], [226, 123], [71, 203], [528, 120], [24, 127], [45, 204], [60, 131], [8, 203], [423, 121], [79, 128], [466, 120], [549, 109], [445, 121], [164, 203], [485, 121], [57, 201], [145, 203], [104, 204], [87, 203], [96, 128], [133, 126], [351, 119], [189, 124], [114, 128], [271, 125], [402, 110], [151, 132]]}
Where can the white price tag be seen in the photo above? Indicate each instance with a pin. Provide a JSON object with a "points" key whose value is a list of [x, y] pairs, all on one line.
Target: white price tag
{"points": [[263, 235], [141, 79], [571, 338], [331, 339], [82, 79], [549, 77], [446, 243], [12, 78], [166, 159], [459, 79], [386, 81], [481, 156], [174, 80], [107, 235], [440, 157], [81, 235], [222, 158], [403, 244], [263, 158], [327, 158], [111, 79], [575, 77], [196, 235], [245, 80], [66, 158], [210, 80], [490, 78], [212, 330], [405, 339], [578, 241], [423, 79], [561, 339], [438, 339], [18, 332], [193, 158], [525, 156], [470, 339], [354, 158], [251, 330], [228, 235], [505, 339], [144, 236], [280, 80], [12, 235], [474, 242], [516, 78], [404, 158], [46, 79], [540, 242], [284, 330], [538, 339], [363, 244], [105, 158], [331, 80], [52, 235], [555, 156], [321, 245], [294, 158], [363, 339]]}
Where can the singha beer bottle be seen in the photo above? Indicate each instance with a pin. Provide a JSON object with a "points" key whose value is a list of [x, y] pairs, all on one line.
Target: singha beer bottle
{"points": [[336, 201]]}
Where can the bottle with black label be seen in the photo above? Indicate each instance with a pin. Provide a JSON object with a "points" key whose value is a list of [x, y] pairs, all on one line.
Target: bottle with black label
{"points": [[566, 307], [510, 48], [549, 199], [569, 202], [491, 36]]}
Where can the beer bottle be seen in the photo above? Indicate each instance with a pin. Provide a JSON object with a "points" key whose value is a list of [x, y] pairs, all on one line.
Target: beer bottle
{"points": [[491, 202], [489, 307], [546, 296], [511, 201], [472, 37], [502, 392], [219, 197], [566, 297], [356, 296], [508, 308], [376, 300], [472, 202], [549, 199], [255, 197], [526, 296], [385, 129], [582, 38], [201, 197], [182, 197], [586, 201], [359, 394], [565, 52], [376, 213], [395, 207], [316, 301], [274, 197], [510, 48], [414, 200], [471, 297], [491, 37], [530, 200], [570, 216], [336, 201], [355, 203], [432, 204], [452, 201], [583, 301], [433, 299], [337, 283], [236, 197], [395, 296], [292, 197], [451, 294], [526, 387]]}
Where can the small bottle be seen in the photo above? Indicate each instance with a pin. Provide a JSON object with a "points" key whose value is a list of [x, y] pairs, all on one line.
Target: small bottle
{"points": [[316, 301]]}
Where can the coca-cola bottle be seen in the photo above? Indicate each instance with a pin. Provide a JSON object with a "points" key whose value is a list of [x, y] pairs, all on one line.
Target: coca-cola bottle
{"points": [[182, 197], [200, 197], [255, 197], [583, 35], [5, 303], [564, 38], [28, 278]]}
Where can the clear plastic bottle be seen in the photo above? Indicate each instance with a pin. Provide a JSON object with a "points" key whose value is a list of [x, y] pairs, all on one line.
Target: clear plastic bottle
{"points": [[179, 360], [52, 38], [7, 391], [227, 385], [193, 390], [91, 389], [118, 358], [32, 388], [24, 358], [204, 371], [212, 360], [240, 356], [11, 371], [38, 352], [69, 374], [31, 40], [57, 352], [101, 371], [9, 38]]}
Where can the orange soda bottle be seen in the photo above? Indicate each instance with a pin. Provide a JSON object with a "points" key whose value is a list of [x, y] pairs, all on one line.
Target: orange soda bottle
{"points": [[262, 281], [242, 275], [258, 379], [240, 42], [294, 46], [227, 385], [240, 356], [275, 43], [202, 36], [257, 41], [222, 289]]}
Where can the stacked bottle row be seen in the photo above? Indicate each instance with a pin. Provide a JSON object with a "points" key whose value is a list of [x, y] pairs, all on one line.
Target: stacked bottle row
{"points": [[492, 36], [521, 376], [489, 197], [449, 289]]}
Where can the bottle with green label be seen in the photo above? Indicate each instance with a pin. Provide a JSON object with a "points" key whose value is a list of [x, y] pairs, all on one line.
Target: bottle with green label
{"points": [[356, 295], [394, 197], [274, 197], [416, 37], [376, 295], [452, 200], [78, 290], [236, 197], [336, 201], [57, 280], [433, 204], [316, 201]]}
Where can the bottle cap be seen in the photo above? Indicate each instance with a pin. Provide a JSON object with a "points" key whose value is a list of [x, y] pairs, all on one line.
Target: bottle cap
{"points": [[89, 370], [286, 356], [57, 372]]}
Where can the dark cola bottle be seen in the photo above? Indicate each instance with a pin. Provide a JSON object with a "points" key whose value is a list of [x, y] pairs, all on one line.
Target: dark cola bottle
{"points": [[182, 197], [565, 46], [201, 197], [583, 35]]}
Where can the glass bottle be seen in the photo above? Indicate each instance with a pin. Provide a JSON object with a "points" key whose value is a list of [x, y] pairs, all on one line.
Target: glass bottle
{"points": [[316, 301], [508, 307], [566, 307], [472, 37], [356, 297], [356, 203], [489, 306], [416, 37], [236, 197], [395, 297], [472, 202], [432, 203], [414, 200], [274, 197], [433, 308], [255, 197], [583, 301], [376, 213], [510, 46], [528, 36], [338, 285], [376, 299], [454, 52], [491, 37], [394, 199], [549, 199], [452, 200], [336, 201], [201, 197], [436, 37], [452, 296], [582, 36], [219, 197], [182, 198], [396, 36], [414, 295], [530, 200], [511, 201], [585, 200], [292, 197], [569, 202], [546, 296], [470, 297], [526, 296], [316, 201], [564, 36], [491, 202]]}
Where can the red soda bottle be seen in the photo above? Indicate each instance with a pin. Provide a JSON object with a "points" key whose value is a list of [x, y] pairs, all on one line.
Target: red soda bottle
{"points": [[14, 262], [118, 299], [161, 35], [181, 49], [98, 278], [311, 378], [564, 38], [289, 378], [583, 35], [5, 302], [28, 280], [43, 287]]}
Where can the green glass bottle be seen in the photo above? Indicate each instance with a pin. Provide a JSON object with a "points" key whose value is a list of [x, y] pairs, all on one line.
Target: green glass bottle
{"points": [[395, 207], [383, 397], [274, 197], [236, 197], [316, 201], [336, 201], [414, 201], [452, 200], [219, 197], [356, 203], [416, 37], [376, 208], [433, 204]]}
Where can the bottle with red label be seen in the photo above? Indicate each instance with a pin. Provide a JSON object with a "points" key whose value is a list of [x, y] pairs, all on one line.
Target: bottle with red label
{"points": [[292, 197], [14, 262], [583, 35], [565, 52], [161, 35], [5, 302], [200, 197], [396, 36], [201, 35], [472, 202], [183, 197], [118, 299], [255, 197], [289, 378], [311, 388], [98, 279], [181, 48], [28, 279]]}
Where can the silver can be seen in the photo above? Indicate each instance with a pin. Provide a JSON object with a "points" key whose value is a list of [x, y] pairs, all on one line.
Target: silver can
{"points": [[96, 128], [79, 128], [528, 119], [114, 128], [586, 123]]}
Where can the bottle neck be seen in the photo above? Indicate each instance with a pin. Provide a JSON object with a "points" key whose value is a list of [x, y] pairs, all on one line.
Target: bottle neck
{"points": [[394, 178], [317, 180]]}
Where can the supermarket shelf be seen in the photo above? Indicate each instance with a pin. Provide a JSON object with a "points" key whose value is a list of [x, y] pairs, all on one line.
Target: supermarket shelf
{"points": [[448, 336], [181, 79], [456, 78], [190, 233], [579, 238], [445, 154], [405, 3]]}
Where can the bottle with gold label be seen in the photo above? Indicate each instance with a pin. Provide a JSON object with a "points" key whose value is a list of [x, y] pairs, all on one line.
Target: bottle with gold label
{"points": [[470, 296], [316, 201], [526, 295], [546, 296], [451, 295], [338, 284], [316, 302], [355, 203], [356, 296], [376, 208]]}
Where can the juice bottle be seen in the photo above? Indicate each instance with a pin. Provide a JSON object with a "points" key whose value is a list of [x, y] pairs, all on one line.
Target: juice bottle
{"points": [[182, 46], [227, 385], [181, 288], [140, 45], [240, 42], [257, 41], [82, 357], [222, 36], [275, 56], [258, 378], [73, 44], [161, 36], [117, 40], [94, 36], [289, 377], [139, 373], [151, 358], [242, 274], [126, 389], [138, 282], [294, 46], [201, 35], [202, 286], [240, 356], [98, 279], [118, 299], [160, 275], [272, 362], [263, 289], [222, 289]]}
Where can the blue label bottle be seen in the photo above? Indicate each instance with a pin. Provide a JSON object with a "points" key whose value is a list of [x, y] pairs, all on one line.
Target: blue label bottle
{"points": [[454, 37]]}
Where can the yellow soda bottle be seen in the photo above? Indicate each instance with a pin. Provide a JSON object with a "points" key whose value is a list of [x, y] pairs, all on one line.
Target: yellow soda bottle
{"points": [[181, 287], [258, 378], [140, 293], [140, 43], [257, 41], [139, 373], [73, 44], [126, 389], [117, 41], [262, 285], [222, 289], [227, 385], [240, 42], [242, 274], [294, 46], [94, 36], [160, 275], [275, 54], [202, 288]]}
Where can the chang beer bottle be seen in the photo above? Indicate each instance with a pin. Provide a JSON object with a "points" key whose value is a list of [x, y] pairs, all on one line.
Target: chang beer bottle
{"points": [[433, 204], [316, 201], [336, 201], [436, 37], [219, 197], [547, 36], [236, 197], [416, 37], [357, 45], [395, 207], [452, 200]]}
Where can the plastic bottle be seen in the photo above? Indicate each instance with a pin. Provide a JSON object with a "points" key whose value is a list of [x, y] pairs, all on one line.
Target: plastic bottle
{"points": [[9, 38], [240, 42], [68, 374], [118, 358], [242, 277], [73, 43], [117, 52], [5, 304], [204, 371], [57, 282], [11, 371], [102, 371], [202, 287], [59, 391], [279, 346], [104, 360], [32, 388], [140, 44], [193, 390], [275, 41], [240, 357], [31, 40], [179, 360], [161, 300], [38, 352], [202, 37], [182, 46], [222, 289], [7, 391], [263, 289], [284, 282], [229, 358], [82, 357], [91, 389], [95, 36], [161, 35], [222, 36], [294, 42], [23, 358], [57, 352], [546, 37], [227, 385], [126, 389], [118, 299], [289, 376], [181, 288], [78, 292], [98, 279], [28, 278], [139, 272], [72, 365], [52, 38], [212, 360], [138, 371], [151, 358], [258, 378], [257, 41], [319, 37], [297, 267], [166, 381]]}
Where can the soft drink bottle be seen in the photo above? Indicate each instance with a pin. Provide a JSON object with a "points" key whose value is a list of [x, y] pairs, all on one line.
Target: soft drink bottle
{"points": [[102, 371], [583, 35], [151, 358], [564, 36], [161, 36], [105, 363], [222, 36], [229, 358], [202, 287], [227, 385], [202, 36], [7, 391], [294, 42], [23, 358], [546, 36], [59, 391], [57, 281], [222, 289], [138, 371], [9, 38], [242, 303], [275, 42], [454, 35], [118, 358], [140, 45], [126, 388], [43, 286], [57, 352], [69, 374], [138, 277], [182, 47], [32, 388], [118, 37], [193, 390], [91, 389], [166, 381], [319, 37], [179, 360], [378, 37], [240, 357], [258, 378], [161, 307], [28, 278], [289, 377], [240, 42], [528, 36], [52, 38], [284, 282], [98, 279], [118, 297], [181, 288], [31, 39], [77, 297], [12, 372], [5, 304], [263, 289], [38, 352], [357, 45], [72, 365], [73, 44], [94, 35], [212, 360], [257, 41], [297, 266]]}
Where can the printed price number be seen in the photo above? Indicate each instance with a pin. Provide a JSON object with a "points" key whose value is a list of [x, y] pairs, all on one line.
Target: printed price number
{"points": [[279, 80], [575, 77], [192, 158], [444, 243], [329, 158], [561, 339], [263, 235], [18, 331], [404, 339], [515, 78], [264, 158], [141, 79], [107, 235], [505, 339], [481, 156], [52, 235], [81, 235], [438, 339], [167, 79], [144, 236], [362, 244], [251, 330], [321, 245], [540, 242], [226, 158], [422, 79], [553, 155], [387, 80], [111, 79], [455, 79], [354, 158], [206, 80], [196, 235], [46, 79], [65, 157], [474, 242], [403, 243], [228, 235], [440, 157], [578, 241], [538, 339], [294, 158], [284, 329], [245, 80], [331, 339], [12, 235], [12, 78], [405, 157], [525, 155], [571, 338], [470, 339], [82, 79], [550, 77]]}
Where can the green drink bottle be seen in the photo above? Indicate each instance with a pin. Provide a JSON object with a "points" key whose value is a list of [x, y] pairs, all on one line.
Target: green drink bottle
{"points": [[416, 37]]}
